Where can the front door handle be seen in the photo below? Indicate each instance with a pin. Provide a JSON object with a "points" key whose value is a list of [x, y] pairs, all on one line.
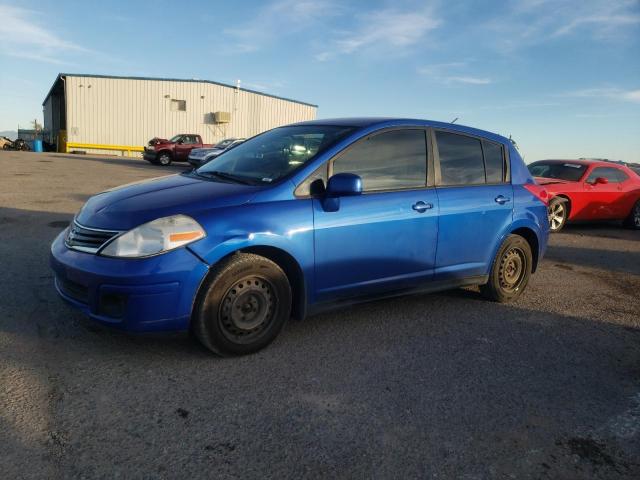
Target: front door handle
{"points": [[502, 200], [422, 207]]}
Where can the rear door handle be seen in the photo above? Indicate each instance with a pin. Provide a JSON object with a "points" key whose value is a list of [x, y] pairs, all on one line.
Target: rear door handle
{"points": [[422, 207], [502, 200]]}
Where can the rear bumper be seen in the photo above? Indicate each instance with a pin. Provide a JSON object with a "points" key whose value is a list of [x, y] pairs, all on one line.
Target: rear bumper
{"points": [[151, 294]]}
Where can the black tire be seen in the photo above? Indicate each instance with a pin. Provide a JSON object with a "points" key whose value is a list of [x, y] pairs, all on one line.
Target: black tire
{"points": [[557, 212], [242, 305], [164, 159], [510, 271], [6, 146], [633, 220]]}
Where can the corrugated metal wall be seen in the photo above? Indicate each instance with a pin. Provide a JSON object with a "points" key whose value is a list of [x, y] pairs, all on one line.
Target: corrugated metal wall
{"points": [[116, 111], [52, 117]]}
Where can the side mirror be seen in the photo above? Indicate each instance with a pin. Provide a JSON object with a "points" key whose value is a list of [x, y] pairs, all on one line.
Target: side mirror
{"points": [[180, 142], [601, 180], [340, 185], [344, 185]]}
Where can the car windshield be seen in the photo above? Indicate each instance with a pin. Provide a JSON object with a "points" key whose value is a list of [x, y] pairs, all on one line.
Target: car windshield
{"points": [[224, 143], [175, 138], [571, 172], [274, 154]]}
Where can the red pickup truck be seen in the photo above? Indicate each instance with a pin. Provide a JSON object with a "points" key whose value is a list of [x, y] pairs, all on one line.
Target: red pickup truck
{"points": [[162, 151]]}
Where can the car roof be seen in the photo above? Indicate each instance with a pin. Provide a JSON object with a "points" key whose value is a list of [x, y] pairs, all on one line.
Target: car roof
{"points": [[382, 122], [582, 161]]}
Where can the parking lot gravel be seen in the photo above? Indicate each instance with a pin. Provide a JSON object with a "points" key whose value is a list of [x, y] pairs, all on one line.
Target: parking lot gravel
{"points": [[432, 386]]}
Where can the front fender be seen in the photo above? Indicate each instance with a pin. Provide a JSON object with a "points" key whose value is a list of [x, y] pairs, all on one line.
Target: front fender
{"points": [[286, 225]]}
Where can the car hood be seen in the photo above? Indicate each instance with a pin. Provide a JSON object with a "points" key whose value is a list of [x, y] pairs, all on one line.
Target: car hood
{"points": [[204, 151], [131, 205]]}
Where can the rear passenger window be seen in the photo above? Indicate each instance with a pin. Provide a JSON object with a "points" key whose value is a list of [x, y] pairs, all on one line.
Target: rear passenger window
{"points": [[388, 161], [493, 161], [460, 159]]}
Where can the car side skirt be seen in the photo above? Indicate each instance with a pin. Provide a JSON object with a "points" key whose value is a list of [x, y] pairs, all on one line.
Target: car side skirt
{"points": [[430, 287]]}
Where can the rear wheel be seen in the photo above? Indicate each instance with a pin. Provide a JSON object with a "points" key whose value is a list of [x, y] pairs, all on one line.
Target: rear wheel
{"points": [[242, 306], [633, 220], [164, 159], [558, 212], [510, 271]]}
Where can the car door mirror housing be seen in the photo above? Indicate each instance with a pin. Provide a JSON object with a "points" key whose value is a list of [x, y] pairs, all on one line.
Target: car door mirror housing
{"points": [[340, 185], [601, 180], [344, 185]]}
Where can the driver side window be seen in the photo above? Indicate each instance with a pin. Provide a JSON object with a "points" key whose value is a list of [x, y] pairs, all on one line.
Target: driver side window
{"points": [[392, 160], [613, 175]]}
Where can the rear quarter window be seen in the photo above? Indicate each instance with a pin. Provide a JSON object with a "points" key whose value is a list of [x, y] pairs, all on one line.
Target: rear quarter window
{"points": [[493, 161]]}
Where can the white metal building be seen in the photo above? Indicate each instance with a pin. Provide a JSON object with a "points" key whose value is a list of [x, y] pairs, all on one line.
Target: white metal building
{"points": [[97, 113]]}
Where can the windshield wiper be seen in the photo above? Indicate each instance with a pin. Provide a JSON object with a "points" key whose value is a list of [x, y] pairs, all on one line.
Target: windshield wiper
{"points": [[226, 176]]}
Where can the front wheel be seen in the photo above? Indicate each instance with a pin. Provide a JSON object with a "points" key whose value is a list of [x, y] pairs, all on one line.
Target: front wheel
{"points": [[510, 271], [557, 211], [242, 306], [633, 220], [164, 159]]}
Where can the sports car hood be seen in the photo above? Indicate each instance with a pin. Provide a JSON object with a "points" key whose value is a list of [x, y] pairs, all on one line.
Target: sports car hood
{"points": [[131, 205]]}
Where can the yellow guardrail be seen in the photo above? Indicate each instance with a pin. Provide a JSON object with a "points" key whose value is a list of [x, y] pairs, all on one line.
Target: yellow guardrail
{"points": [[97, 146]]}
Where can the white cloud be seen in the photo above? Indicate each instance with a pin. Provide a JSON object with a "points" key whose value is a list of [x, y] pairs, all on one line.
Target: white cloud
{"points": [[530, 22], [279, 19], [607, 92], [607, 24], [386, 31], [21, 37], [453, 72], [470, 80]]}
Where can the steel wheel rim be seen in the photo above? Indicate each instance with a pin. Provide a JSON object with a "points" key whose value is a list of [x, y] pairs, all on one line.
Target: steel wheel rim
{"points": [[556, 214], [513, 268], [636, 215], [247, 309], [164, 160]]}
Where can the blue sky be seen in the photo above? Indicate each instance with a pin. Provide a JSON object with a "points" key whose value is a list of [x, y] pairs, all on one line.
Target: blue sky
{"points": [[562, 77]]}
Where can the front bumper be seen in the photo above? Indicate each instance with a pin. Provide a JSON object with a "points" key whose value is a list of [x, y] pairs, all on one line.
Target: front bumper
{"points": [[196, 162], [148, 294], [149, 155]]}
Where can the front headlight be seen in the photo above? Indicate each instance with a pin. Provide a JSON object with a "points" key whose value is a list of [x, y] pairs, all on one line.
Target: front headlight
{"points": [[155, 237]]}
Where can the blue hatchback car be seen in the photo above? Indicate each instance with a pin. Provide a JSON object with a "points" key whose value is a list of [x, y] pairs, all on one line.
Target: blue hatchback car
{"points": [[301, 217]]}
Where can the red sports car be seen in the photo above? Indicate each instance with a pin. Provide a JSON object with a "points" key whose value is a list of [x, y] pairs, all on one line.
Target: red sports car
{"points": [[589, 190]]}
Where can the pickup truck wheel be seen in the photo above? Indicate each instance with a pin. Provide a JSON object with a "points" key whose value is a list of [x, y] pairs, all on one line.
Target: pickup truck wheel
{"points": [[510, 271], [164, 159], [633, 220], [557, 211], [242, 305]]}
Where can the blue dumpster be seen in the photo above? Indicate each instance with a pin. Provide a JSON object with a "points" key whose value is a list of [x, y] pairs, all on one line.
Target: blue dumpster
{"points": [[37, 145]]}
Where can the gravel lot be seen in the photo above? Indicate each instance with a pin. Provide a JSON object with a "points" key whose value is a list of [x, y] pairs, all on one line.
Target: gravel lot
{"points": [[435, 386]]}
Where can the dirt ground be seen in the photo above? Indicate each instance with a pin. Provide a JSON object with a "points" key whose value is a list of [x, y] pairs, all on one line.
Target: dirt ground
{"points": [[434, 386]]}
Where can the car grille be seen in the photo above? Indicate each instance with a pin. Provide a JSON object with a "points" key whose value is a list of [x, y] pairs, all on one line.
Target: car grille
{"points": [[86, 239]]}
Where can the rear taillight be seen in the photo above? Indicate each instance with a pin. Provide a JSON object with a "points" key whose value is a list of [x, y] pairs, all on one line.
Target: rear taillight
{"points": [[538, 191]]}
